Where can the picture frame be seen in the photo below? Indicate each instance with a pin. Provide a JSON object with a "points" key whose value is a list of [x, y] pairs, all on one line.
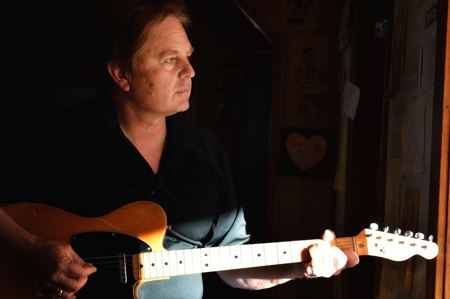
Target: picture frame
{"points": [[306, 152], [231, 78], [230, 112]]}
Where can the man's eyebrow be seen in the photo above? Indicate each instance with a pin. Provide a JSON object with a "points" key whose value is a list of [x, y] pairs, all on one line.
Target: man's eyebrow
{"points": [[173, 52]]}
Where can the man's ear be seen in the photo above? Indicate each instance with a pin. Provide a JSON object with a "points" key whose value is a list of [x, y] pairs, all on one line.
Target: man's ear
{"points": [[119, 76]]}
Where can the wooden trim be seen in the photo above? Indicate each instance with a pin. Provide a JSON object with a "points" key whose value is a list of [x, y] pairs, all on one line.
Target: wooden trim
{"points": [[441, 143]]}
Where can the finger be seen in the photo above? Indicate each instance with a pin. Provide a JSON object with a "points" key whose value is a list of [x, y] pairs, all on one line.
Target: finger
{"points": [[61, 294], [339, 259], [328, 235], [78, 270], [320, 265], [73, 285], [352, 258]]}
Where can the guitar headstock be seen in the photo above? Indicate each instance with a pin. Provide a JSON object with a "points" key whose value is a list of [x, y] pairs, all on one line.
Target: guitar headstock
{"points": [[394, 246]]}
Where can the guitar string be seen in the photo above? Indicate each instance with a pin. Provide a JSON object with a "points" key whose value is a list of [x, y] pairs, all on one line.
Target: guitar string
{"points": [[101, 262]]}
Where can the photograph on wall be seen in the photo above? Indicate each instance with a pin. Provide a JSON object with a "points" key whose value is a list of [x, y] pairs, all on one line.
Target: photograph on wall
{"points": [[305, 152], [301, 14], [230, 112], [309, 64], [231, 78]]}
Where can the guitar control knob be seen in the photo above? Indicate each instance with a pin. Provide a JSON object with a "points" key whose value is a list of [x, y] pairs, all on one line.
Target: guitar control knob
{"points": [[397, 231], [374, 226], [386, 229], [419, 236], [409, 234], [430, 238]]}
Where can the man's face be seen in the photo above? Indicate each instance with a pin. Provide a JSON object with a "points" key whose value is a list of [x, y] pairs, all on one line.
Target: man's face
{"points": [[160, 80]]}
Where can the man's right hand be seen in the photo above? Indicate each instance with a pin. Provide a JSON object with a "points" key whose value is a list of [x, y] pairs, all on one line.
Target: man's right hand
{"points": [[57, 267]]}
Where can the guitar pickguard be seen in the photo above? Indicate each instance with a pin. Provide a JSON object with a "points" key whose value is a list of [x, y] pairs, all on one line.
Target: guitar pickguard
{"points": [[111, 253]]}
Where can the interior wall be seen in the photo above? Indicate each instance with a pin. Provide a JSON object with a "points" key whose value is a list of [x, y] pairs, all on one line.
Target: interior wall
{"points": [[411, 101], [300, 202]]}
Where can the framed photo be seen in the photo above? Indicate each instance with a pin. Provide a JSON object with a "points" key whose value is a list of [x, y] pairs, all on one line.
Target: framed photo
{"points": [[231, 112], [231, 78], [309, 64], [306, 152]]}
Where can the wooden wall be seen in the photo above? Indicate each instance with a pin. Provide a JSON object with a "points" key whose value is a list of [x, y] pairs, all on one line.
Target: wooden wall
{"points": [[300, 205]]}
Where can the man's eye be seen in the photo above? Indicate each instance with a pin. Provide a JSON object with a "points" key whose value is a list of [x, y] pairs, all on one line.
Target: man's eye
{"points": [[170, 60]]}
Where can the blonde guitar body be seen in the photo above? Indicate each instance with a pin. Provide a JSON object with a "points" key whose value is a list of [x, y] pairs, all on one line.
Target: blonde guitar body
{"points": [[143, 220]]}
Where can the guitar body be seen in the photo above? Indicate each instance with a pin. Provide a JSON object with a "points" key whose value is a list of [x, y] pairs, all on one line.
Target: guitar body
{"points": [[134, 228]]}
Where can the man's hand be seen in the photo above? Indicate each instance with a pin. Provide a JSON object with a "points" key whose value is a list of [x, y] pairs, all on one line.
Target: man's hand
{"points": [[327, 260], [58, 268]]}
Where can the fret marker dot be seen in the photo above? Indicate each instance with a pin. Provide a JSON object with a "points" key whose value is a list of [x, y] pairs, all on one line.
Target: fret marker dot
{"points": [[166, 263], [284, 252], [181, 262], [259, 254], [206, 265], [235, 256], [153, 264]]}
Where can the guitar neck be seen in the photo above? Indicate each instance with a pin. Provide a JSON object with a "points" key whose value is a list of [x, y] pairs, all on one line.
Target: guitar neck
{"points": [[157, 265]]}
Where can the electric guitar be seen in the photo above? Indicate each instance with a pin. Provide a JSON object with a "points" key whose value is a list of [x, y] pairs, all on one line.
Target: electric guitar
{"points": [[126, 247]]}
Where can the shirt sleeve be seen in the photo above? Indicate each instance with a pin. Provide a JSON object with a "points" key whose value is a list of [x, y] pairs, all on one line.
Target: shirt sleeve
{"points": [[230, 226]]}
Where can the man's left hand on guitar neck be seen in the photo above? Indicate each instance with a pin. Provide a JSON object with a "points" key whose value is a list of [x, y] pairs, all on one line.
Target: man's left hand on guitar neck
{"points": [[326, 261]]}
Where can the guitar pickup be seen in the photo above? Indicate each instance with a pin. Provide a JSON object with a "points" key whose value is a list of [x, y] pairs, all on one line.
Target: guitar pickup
{"points": [[123, 268]]}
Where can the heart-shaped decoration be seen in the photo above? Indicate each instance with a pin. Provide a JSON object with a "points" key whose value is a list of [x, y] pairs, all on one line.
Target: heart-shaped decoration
{"points": [[306, 153]]}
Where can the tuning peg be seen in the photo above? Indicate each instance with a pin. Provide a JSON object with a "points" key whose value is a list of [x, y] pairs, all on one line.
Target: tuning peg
{"points": [[386, 229], [397, 231], [409, 234], [419, 236], [374, 226], [430, 238]]}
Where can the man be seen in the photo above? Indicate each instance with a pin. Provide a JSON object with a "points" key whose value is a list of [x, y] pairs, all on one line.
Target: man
{"points": [[131, 143]]}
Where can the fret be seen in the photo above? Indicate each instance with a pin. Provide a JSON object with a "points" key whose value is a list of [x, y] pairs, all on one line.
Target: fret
{"points": [[225, 258], [197, 260], [236, 257], [258, 255], [271, 254], [188, 261], [297, 252], [145, 262], [165, 263], [151, 264], [180, 262], [158, 264], [214, 257], [284, 252], [247, 256], [206, 259], [173, 269]]}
